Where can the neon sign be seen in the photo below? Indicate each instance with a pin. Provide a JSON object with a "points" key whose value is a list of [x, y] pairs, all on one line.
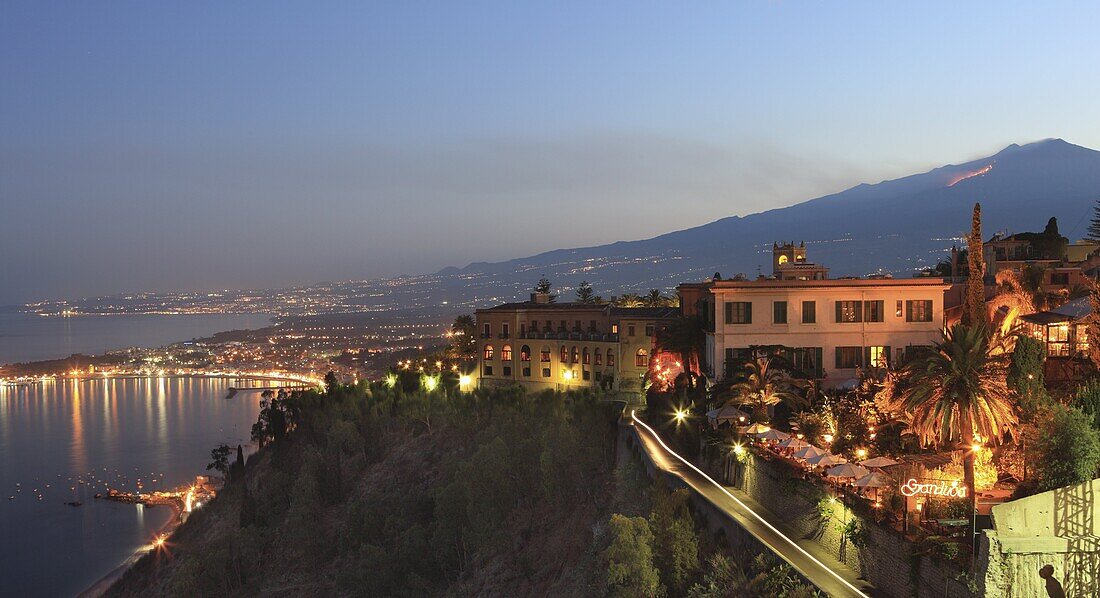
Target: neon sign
{"points": [[915, 487]]}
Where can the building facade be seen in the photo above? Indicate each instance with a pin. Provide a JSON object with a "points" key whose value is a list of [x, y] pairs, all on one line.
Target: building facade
{"points": [[542, 345], [827, 329]]}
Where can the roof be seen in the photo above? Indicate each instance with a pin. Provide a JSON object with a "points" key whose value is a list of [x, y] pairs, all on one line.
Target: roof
{"points": [[646, 313], [567, 306], [1070, 312], [831, 283]]}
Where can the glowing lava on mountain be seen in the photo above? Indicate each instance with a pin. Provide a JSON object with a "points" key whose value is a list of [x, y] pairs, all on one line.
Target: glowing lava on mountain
{"points": [[968, 175]]}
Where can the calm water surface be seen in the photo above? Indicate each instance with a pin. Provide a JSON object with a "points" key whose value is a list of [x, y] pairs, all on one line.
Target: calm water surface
{"points": [[27, 337], [106, 433]]}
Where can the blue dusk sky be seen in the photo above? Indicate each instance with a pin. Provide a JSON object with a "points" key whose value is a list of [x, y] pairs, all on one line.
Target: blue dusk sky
{"points": [[205, 145]]}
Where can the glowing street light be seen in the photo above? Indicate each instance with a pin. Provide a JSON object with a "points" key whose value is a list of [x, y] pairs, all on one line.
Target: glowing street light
{"points": [[391, 380], [680, 415], [431, 382], [464, 380]]}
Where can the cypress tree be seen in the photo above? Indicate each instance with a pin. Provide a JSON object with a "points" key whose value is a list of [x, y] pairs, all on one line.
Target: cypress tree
{"points": [[1094, 225], [975, 311]]}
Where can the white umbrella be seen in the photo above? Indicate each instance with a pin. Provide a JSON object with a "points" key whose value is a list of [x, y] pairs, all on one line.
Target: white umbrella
{"points": [[846, 470], [794, 443], [826, 460], [810, 452], [757, 429], [875, 479], [878, 462], [729, 413], [773, 434]]}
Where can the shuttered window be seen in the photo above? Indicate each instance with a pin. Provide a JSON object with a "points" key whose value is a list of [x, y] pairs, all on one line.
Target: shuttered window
{"points": [[738, 312]]}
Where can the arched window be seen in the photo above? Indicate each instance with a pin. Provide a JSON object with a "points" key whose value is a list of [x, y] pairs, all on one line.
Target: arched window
{"points": [[641, 358], [525, 353], [599, 357], [585, 357], [546, 354], [488, 352], [506, 353], [576, 354], [564, 354], [610, 357]]}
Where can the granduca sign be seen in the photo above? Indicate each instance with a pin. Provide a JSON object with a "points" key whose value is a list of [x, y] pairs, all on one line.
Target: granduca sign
{"points": [[941, 488]]}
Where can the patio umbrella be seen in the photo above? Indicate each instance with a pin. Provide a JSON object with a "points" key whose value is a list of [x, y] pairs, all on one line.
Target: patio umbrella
{"points": [[757, 429], [810, 452], [773, 434], [794, 444], [846, 470], [729, 413], [878, 462], [875, 479], [826, 460]]}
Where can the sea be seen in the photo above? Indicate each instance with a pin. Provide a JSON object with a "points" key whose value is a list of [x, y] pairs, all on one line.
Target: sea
{"points": [[63, 441]]}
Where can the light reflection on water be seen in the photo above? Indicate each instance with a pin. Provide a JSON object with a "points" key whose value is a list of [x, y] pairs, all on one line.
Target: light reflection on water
{"points": [[115, 430]]}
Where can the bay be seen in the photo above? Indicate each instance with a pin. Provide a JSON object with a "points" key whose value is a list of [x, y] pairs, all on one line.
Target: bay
{"points": [[107, 433], [28, 337]]}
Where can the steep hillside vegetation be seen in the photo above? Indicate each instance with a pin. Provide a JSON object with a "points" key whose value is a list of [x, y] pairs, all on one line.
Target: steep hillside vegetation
{"points": [[366, 491]]}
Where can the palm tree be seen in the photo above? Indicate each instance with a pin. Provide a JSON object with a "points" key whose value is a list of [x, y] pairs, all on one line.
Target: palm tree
{"points": [[463, 337], [628, 300], [764, 386], [655, 299], [1023, 290], [958, 394]]}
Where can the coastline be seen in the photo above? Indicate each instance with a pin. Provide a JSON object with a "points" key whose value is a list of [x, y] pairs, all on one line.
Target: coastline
{"points": [[104, 583]]}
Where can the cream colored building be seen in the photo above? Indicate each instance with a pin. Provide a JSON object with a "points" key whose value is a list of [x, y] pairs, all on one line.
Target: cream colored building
{"points": [[560, 346], [827, 328]]}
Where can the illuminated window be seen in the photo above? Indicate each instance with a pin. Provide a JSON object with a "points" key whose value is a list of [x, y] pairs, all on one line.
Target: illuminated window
{"points": [[575, 354], [849, 311], [525, 353], [545, 355], [783, 259], [641, 358], [614, 329], [599, 357], [564, 354], [506, 353], [585, 357], [488, 352], [878, 356]]}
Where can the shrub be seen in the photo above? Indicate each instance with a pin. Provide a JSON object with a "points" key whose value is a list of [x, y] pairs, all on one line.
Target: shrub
{"points": [[1025, 374], [1087, 400], [1068, 449], [629, 558]]}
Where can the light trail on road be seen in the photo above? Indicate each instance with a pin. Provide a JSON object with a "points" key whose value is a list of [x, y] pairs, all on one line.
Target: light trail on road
{"points": [[809, 556]]}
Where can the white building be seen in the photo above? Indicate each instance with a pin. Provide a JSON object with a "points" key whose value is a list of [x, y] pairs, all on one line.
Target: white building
{"points": [[826, 328]]}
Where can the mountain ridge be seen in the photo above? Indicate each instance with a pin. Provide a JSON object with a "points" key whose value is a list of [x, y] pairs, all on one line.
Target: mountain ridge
{"points": [[934, 186]]}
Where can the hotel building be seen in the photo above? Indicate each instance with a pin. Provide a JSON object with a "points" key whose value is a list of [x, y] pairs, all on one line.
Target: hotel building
{"points": [[542, 345], [827, 329]]}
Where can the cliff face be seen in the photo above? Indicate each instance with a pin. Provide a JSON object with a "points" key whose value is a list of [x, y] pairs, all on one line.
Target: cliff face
{"points": [[405, 494]]}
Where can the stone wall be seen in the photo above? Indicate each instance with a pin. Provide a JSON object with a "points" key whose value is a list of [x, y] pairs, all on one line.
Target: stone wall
{"points": [[884, 557], [1044, 544]]}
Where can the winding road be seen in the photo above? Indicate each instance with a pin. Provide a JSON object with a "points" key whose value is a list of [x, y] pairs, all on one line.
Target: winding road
{"points": [[811, 560]]}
